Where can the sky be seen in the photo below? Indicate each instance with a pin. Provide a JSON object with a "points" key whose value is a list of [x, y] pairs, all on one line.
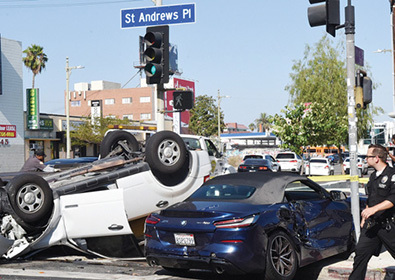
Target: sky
{"points": [[244, 49]]}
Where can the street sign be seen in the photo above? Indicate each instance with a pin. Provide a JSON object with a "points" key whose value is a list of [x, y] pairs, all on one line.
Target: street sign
{"points": [[359, 56], [158, 15]]}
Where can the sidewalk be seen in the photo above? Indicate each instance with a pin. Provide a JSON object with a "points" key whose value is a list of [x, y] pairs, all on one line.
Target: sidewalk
{"points": [[379, 268]]}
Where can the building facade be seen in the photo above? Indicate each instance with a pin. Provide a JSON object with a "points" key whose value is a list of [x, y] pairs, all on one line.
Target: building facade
{"points": [[112, 101], [12, 130]]}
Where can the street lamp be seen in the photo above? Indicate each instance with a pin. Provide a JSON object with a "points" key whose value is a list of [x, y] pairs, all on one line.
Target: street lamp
{"points": [[219, 118], [68, 73]]}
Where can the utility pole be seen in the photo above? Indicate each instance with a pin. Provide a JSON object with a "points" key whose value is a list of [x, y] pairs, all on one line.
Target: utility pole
{"points": [[352, 118], [219, 119], [67, 103], [160, 96]]}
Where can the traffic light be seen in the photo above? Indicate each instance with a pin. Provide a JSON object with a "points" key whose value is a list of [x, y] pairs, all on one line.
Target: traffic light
{"points": [[363, 90], [325, 14], [156, 54], [367, 90], [182, 100]]}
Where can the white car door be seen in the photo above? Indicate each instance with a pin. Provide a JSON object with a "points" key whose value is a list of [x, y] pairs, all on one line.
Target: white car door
{"points": [[94, 214]]}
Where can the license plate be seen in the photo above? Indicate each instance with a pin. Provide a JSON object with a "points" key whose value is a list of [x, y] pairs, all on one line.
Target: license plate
{"points": [[184, 239]]}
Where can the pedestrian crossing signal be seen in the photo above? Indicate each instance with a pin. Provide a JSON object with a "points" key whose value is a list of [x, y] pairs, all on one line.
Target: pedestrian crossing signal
{"points": [[182, 100]]}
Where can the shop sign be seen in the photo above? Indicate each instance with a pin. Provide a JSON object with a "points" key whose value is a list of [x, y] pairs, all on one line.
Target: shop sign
{"points": [[7, 131], [32, 109], [46, 124]]}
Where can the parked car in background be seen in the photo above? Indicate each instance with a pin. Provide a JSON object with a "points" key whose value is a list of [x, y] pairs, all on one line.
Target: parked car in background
{"points": [[289, 161], [254, 165], [335, 158], [320, 166], [67, 163], [274, 165], [345, 155], [262, 222], [362, 166]]}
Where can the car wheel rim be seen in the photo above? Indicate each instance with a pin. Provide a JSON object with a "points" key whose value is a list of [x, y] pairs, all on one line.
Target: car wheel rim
{"points": [[30, 198], [282, 256], [169, 152]]}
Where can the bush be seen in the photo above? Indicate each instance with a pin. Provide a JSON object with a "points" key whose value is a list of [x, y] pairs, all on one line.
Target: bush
{"points": [[235, 160]]}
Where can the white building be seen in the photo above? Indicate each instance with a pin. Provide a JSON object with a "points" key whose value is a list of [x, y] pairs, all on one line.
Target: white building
{"points": [[11, 106], [381, 133]]}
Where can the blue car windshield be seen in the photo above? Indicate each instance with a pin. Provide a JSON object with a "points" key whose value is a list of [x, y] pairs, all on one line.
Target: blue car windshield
{"points": [[219, 192]]}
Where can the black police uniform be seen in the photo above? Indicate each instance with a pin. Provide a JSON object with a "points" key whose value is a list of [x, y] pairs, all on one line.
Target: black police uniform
{"points": [[379, 229]]}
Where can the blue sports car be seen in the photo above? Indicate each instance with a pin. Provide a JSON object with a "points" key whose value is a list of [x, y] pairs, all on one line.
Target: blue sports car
{"points": [[260, 222]]}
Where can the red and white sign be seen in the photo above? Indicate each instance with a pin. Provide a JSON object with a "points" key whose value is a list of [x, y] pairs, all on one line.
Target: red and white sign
{"points": [[7, 131], [179, 83]]}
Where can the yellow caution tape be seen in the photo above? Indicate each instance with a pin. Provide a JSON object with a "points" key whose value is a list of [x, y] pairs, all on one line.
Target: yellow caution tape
{"points": [[332, 178]]}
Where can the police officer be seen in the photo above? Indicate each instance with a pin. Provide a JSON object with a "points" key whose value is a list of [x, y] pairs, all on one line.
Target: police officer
{"points": [[378, 222]]}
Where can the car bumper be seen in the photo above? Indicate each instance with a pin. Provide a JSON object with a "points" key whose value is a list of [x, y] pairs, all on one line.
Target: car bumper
{"points": [[230, 257], [217, 265]]}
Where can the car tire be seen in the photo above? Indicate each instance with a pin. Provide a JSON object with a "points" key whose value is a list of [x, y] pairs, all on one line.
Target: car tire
{"points": [[281, 257], [114, 139], [166, 152], [31, 198]]}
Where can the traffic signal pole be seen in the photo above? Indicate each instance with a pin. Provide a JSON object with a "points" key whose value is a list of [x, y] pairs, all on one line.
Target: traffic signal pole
{"points": [[329, 14], [352, 118], [160, 93]]}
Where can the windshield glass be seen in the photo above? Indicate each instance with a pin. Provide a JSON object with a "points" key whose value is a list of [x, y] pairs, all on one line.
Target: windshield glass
{"points": [[285, 156], [256, 162], [318, 160]]}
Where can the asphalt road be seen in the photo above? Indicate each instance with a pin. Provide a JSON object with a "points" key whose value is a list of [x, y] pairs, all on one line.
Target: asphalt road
{"points": [[60, 263]]}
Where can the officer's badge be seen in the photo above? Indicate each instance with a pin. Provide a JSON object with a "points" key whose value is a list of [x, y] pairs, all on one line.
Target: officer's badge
{"points": [[382, 186], [385, 179]]}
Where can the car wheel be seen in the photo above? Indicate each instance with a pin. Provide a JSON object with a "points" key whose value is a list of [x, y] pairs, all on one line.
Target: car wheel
{"points": [[166, 152], [118, 143], [31, 198], [281, 258]]}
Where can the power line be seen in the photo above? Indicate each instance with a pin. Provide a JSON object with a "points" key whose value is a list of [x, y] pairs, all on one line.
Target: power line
{"points": [[132, 78]]}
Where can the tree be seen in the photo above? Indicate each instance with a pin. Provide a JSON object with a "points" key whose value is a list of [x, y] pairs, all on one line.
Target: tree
{"points": [[88, 133], [252, 126], [204, 117], [264, 120], [320, 78], [308, 125], [35, 60]]}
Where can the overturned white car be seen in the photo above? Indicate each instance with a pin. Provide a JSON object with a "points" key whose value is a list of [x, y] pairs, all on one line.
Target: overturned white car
{"points": [[99, 208]]}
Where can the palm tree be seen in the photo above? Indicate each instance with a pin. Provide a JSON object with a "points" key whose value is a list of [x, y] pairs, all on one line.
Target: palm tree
{"points": [[35, 59], [264, 120], [252, 126]]}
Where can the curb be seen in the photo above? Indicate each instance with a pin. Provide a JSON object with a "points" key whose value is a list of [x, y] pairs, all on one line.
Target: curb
{"points": [[387, 273]]}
